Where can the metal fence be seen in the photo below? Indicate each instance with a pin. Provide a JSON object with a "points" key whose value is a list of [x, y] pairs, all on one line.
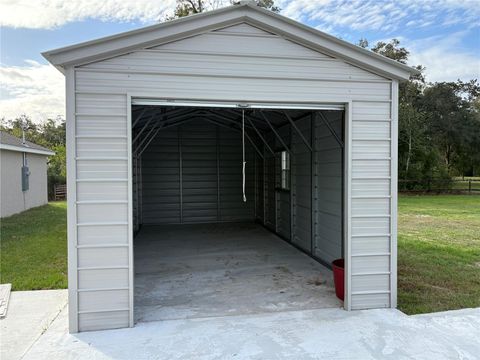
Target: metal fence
{"points": [[456, 185]]}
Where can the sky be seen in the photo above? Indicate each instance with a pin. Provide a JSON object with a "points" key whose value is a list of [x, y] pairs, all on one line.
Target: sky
{"points": [[442, 35]]}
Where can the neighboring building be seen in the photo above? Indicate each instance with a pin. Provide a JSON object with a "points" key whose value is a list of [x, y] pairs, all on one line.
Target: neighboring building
{"points": [[23, 174], [154, 125]]}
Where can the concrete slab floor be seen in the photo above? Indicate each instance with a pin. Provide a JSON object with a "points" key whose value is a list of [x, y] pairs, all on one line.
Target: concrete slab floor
{"points": [[29, 315], [205, 270], [294, 335]]}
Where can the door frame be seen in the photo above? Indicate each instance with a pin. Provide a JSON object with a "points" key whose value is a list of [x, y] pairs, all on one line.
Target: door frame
{"points": [[142, 99]]}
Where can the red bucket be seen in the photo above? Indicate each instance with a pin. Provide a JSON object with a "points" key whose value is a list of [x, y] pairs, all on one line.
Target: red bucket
{"points": [[339, 277]]}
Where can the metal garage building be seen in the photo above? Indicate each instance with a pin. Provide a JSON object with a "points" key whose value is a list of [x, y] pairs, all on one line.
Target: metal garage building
{"points": [[155, 123]]}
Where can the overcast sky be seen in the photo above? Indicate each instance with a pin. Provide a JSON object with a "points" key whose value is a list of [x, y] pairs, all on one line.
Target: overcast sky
{"points": [[443, 35]]}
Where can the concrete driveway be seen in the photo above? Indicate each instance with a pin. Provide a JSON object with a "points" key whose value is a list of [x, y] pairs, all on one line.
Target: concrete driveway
{"points": [[305, 334], [29, 315]]}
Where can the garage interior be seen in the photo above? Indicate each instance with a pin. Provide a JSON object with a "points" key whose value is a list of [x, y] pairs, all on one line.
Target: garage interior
{"points": [[212, 238]]}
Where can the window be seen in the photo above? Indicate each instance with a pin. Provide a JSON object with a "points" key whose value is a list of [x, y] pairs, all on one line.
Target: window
{"points": [[285, 170]]}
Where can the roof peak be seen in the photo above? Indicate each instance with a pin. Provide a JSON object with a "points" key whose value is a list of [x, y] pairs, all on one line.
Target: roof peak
{"points": [[246, 11]]}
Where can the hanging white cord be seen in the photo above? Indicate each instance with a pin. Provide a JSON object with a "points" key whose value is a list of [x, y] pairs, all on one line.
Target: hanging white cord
{"points": [[243, 156]]}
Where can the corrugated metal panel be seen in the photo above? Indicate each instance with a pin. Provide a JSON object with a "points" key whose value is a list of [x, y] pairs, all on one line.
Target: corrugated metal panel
{"points": [[302, 186], [370, 301], [230, 65], [283, 213], [88, 300], [103, 279], [328, 180], [196, 145], [241, 43], [199, 172], [101, 210], [371, 205], [102, 235], [269, 193], [161, 179], [259, 189], [230, 88], [102, 320]]}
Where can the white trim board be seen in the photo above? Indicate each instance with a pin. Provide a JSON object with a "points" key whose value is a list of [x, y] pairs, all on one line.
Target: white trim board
{"points": [[394, 196], [241, 105], [71, 201]]}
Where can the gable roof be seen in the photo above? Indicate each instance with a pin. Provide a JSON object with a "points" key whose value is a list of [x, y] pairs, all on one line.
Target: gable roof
{"points": [[245, 12], [12, 143]]}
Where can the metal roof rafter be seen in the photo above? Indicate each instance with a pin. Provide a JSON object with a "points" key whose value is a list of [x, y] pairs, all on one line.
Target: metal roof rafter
{"points": [[275, 132], [297, 130], [332, 131]]}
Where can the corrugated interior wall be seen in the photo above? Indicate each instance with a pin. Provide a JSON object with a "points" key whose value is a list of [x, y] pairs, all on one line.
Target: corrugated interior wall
{"points": [[193, 173], [282, 198], [328, 187], [253, 65], [269, 189], [302, 185]]}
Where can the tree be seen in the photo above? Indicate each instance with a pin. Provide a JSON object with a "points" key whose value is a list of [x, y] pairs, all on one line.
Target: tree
{"points": [[453, 122], [190, 7], [392, 50], [363, 43]]}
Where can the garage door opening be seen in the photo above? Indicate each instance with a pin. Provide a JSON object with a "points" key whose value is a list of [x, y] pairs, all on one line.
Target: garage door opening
{"points": [[201, 250]]}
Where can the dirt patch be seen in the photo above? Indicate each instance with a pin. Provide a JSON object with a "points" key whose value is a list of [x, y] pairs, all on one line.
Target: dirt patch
{"points": [[317, 281], [283, 269]]}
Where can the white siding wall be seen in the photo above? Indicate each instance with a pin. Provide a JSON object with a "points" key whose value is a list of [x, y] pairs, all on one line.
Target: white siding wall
{"points": [[371, 205], [240, 63]]}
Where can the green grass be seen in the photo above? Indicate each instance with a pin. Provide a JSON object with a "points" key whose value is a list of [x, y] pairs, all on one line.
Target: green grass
{"points": [[34, 248], [438, 253]]}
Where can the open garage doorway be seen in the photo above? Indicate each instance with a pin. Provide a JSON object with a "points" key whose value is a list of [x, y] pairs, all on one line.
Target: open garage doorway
{"points": [[237, 209]]}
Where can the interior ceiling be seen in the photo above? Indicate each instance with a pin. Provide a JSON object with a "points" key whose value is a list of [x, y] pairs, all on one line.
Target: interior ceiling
{"points": [[149, 116]]}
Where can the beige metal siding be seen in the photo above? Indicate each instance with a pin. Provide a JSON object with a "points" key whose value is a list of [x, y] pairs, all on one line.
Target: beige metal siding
{"points": [[102, 211], [371, 205], [243, 65]]}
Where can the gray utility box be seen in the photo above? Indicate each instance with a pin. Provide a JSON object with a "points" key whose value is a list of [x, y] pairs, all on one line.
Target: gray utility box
{"points": [[25, 176]]}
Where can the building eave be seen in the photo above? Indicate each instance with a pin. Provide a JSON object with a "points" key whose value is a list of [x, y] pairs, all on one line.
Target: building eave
{"points": [[26, 150]]}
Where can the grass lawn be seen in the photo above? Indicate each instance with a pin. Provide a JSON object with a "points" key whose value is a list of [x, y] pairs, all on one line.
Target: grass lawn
{"points": [[34, 248], [438, 253]]}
